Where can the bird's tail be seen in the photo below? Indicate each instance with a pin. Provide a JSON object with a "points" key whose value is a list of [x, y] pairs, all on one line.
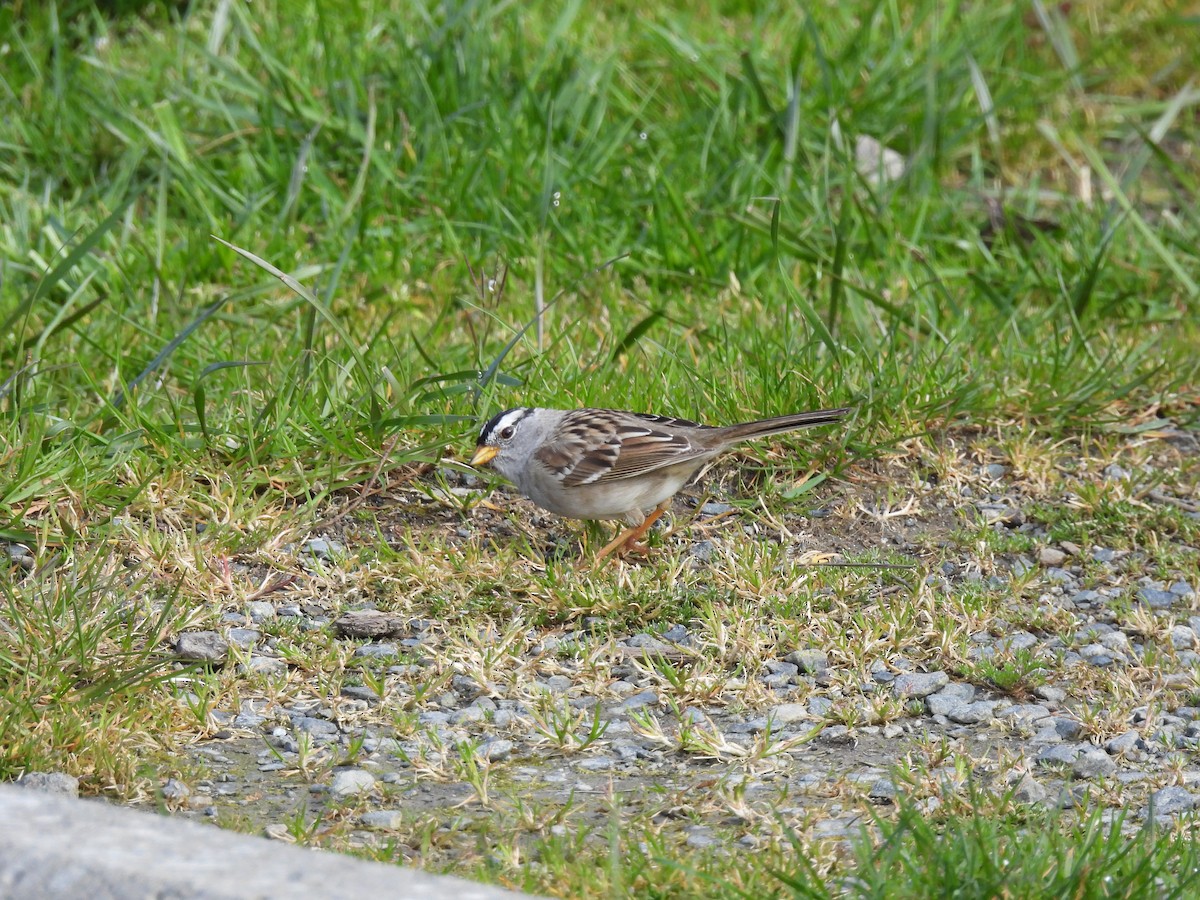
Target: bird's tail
{"points": [[746, 431]]}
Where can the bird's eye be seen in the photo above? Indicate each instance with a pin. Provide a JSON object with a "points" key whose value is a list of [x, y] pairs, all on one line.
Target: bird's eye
{"points": [[506, 433]]}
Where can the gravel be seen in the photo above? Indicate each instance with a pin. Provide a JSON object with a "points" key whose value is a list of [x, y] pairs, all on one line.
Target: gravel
{"points": [[588, 712]]}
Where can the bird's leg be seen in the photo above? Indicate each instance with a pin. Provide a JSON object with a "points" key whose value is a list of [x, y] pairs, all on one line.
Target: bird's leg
{"points": [[629, 541]]}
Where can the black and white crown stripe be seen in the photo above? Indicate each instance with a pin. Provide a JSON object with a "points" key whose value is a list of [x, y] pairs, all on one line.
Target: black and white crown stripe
{"points": [[501, 420]]}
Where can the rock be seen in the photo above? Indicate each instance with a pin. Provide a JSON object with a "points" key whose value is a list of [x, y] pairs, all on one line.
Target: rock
{"points": [[1182, 637], [701, 838], [375, 651], [1024, 713], [260, 611], [676, 634], [819, 706], [789, 713], [175, 791], [919, 684], [50, 783], [1049, 693], [953, 695], [1058, 755], [1068, 729], [997, 513], [382, 819], [646, 642], [1093, 763], [882, 791], [496, 750], [1124, 743], [370, 623], [1170, 801], [811, 662], [201, 646], [637, 701], [838, 736], [266, 665], [1071, 548], [876, 162], [468, 715], [1049, 556], [317, 727], [1029, 790], [323, 549], [973, 713], [1155, 598], [351, 783], [243, 638]]}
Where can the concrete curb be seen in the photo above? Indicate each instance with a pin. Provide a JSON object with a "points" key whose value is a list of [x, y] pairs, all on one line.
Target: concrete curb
{"points": [[61, 848]]}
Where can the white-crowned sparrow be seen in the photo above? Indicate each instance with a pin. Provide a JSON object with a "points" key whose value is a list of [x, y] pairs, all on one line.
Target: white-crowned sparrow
{"points": [[609, 464]]}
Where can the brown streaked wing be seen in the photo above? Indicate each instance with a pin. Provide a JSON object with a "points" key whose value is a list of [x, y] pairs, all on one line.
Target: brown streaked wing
{"points": [[597, 445]]}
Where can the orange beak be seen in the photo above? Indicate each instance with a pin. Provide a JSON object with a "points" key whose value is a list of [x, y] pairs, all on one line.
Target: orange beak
{"points": [[484, 455]]}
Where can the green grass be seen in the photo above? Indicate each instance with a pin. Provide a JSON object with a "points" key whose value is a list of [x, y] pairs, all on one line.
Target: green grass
{"points": [[666, 184]]}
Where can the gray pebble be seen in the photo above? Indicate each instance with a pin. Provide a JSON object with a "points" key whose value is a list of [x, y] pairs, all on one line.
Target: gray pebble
{"points": [[243, 638], [201, 646], [972, 713], [350, 783], [49, 782], [316, 727], [376, 651], [1049, 693], [382, 819], [266, 665], [882, 791], [645, 641], [951, 696], [811, 662], [637, 701], [1182, 637], [701, 838], [1068, 729], [1093, 763], [1171, 801], [260, 611], [919, 684], [1124, 743], [790, 713], [1051, 556], [819, 706], [1058, 755], [1155, 598], [323, 549], [1029, 790], [676, 634], [496, 750], [175, 791]]}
